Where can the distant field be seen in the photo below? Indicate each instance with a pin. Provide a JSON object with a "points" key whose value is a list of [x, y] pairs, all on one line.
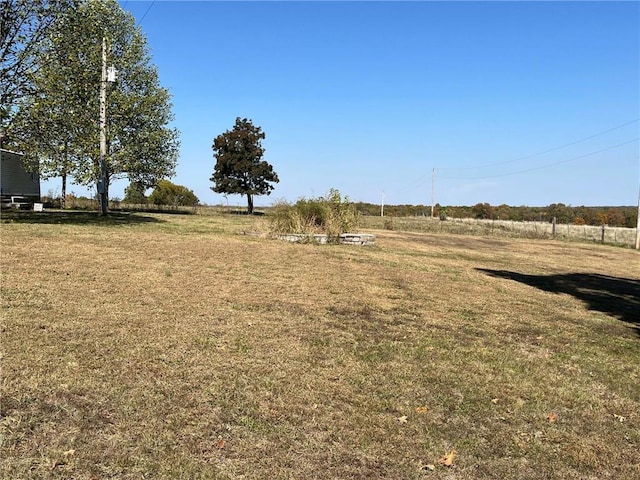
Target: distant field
{"points": [[174, 346]]}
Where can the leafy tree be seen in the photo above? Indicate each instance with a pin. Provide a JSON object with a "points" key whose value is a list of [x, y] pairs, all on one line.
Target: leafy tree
{"points": [[239, 166], [134, 193], [615, 218], [503, 212], [630, 217], [168, 193], [587, 215], [561, 212], [482, 210], [59, 124], [24, 27]]}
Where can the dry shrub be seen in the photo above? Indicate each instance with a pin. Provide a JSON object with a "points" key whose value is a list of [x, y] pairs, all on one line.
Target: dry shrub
{"points": [[331, 215]]}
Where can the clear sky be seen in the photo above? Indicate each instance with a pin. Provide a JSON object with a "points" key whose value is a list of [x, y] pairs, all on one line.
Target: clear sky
{"points": [[523, 103]]}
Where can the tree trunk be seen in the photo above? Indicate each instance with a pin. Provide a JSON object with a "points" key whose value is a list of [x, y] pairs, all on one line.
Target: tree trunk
{"points": [[104, 197], [249, 204], [63, 200]]}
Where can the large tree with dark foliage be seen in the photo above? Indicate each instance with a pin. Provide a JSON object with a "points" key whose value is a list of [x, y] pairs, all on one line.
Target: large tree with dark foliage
{"points": [[239, 166]]}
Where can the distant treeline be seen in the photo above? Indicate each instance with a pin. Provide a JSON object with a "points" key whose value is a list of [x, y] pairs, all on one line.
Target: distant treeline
{"points": [[612, 216]]}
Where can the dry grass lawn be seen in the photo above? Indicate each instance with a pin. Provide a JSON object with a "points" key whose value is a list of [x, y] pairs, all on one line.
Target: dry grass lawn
{"points": [[160, 346]]}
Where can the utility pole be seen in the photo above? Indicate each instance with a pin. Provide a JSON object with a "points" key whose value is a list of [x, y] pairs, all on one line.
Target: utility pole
{"points": [[108, 75], [382, 206], [433, 183], [102, 181]]}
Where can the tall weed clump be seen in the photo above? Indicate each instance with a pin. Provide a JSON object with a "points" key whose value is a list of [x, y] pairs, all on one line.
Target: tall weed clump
{"points": [[331, 215]]}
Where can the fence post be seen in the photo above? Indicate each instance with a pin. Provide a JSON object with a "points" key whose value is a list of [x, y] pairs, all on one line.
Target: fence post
{"points": [[553, 228], [602, 237]]}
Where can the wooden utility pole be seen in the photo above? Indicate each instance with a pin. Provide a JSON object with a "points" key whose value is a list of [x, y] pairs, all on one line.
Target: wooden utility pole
{"points": [[102, 181], [108, 75], [382, 206]]}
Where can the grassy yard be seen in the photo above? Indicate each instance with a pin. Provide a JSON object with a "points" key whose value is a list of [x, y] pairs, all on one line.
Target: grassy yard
{"points": [[174, 346]]}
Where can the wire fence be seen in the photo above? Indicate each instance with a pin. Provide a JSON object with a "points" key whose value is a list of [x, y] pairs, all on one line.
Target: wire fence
{"points": [[508, 228], [587, 233]]}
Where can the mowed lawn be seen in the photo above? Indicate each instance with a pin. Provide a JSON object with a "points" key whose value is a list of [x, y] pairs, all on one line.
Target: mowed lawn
{"points": [[174, 346]]}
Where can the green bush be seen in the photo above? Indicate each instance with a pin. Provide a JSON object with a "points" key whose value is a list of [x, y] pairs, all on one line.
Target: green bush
{"points": [[134, 194], [167, 193]]}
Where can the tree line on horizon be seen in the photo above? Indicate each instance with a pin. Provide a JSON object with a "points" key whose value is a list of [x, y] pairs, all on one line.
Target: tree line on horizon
{"points": [[169, 194], [621, 216]]}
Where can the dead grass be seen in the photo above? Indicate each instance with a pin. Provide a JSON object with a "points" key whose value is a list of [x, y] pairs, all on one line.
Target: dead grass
{"points": [[173, 347]]}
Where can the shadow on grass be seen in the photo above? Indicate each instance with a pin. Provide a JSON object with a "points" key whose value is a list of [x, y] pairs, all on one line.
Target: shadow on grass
{"points": [[618, 297], [244, 212], [75, 218]]}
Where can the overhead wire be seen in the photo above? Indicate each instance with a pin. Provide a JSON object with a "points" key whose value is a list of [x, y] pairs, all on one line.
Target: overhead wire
{"points": [[540, 167], [145, 13], [526, 157], [421, 179]]}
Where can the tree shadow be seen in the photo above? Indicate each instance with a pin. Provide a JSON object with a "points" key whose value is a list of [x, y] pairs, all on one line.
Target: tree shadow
{"points": [[75, 218], [618, 297]]}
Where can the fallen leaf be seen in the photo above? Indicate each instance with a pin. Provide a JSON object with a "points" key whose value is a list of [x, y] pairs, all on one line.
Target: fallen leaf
{"points": [[620, 418], [448, 459], [552, 417], [495, 400], [431, 467], [69, 452], [402, 419], [422, 410], [221, 443]]}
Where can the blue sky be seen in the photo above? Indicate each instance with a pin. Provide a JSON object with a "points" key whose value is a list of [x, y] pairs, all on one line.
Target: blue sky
{"points": [[370, 97]]}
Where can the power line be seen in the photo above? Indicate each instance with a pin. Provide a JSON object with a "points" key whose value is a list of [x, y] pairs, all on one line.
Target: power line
{"points": [[421, 180], [584, 139], [145, 13], [546, 165]]}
